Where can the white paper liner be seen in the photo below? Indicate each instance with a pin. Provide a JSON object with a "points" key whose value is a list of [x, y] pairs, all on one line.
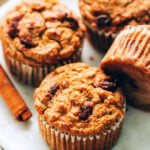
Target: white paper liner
{"points": [[63, 141], [33, 75]]}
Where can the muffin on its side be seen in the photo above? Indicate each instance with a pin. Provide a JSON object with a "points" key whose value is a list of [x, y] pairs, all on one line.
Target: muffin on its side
{"points": [[79, 107], [106, 18], [129, 56], [39, 35]]}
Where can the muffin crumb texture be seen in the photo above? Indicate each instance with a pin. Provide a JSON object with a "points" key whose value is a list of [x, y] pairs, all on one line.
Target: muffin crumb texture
{"points": [[41, 32], [111, 15], [79, 99]]}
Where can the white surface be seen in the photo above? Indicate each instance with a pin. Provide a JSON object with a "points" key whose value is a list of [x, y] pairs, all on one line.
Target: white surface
{"points": [[26, 136]]}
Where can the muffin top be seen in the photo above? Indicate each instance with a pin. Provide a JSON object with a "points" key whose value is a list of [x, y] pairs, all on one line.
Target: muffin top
{"points": [[41, 31], [76, 98], [113, 15]]}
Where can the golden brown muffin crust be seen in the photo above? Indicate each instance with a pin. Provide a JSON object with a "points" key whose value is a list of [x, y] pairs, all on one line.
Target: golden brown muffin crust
{"points": [[113, 15], [69, 91], [41, 31], [129, 56]]}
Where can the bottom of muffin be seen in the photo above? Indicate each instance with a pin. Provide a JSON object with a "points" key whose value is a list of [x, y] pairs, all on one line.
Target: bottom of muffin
{"points": [[136, 95], [63, 141], [100, 39], [32, 75]]}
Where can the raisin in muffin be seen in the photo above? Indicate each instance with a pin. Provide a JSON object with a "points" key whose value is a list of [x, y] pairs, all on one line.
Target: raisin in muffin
{"points": [[105, 18], [39, 35], [79, 107], [129, 56]]}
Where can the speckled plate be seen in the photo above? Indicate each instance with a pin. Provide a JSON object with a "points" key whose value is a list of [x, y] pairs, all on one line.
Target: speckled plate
{"points": [[16, 135]]}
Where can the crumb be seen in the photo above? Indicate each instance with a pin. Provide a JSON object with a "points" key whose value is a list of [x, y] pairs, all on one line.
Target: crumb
{"points": [[91, 58]]}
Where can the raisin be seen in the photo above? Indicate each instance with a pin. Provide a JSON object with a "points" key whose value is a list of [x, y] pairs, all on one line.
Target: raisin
{"points": [[110, 113], [13, 29], [83, 115], [73, 23], [54, 88], [85, 111], [103, 20], [109, 84], [27, 42], [123, 23]]}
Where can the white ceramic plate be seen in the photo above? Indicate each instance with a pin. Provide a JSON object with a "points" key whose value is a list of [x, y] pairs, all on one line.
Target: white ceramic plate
{"points": [[16, 135]]}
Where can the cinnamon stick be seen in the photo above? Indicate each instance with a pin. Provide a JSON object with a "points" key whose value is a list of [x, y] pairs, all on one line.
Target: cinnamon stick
{"points": [[12, 98]]}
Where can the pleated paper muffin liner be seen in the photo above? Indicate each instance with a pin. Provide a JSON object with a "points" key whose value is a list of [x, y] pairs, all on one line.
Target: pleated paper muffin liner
{"points": [[100, 39], [129, 55], [63, 141], [32, 75]]}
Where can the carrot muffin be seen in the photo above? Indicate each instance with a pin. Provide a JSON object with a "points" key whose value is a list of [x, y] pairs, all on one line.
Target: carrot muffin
{"points": [[39, 35], [129, 56], [105, 18], [79, 107]]}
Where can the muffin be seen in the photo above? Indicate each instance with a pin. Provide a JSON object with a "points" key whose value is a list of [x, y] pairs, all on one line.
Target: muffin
{"points": [[129, 57], [79, 107], [38, 36], [105, 18]]}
